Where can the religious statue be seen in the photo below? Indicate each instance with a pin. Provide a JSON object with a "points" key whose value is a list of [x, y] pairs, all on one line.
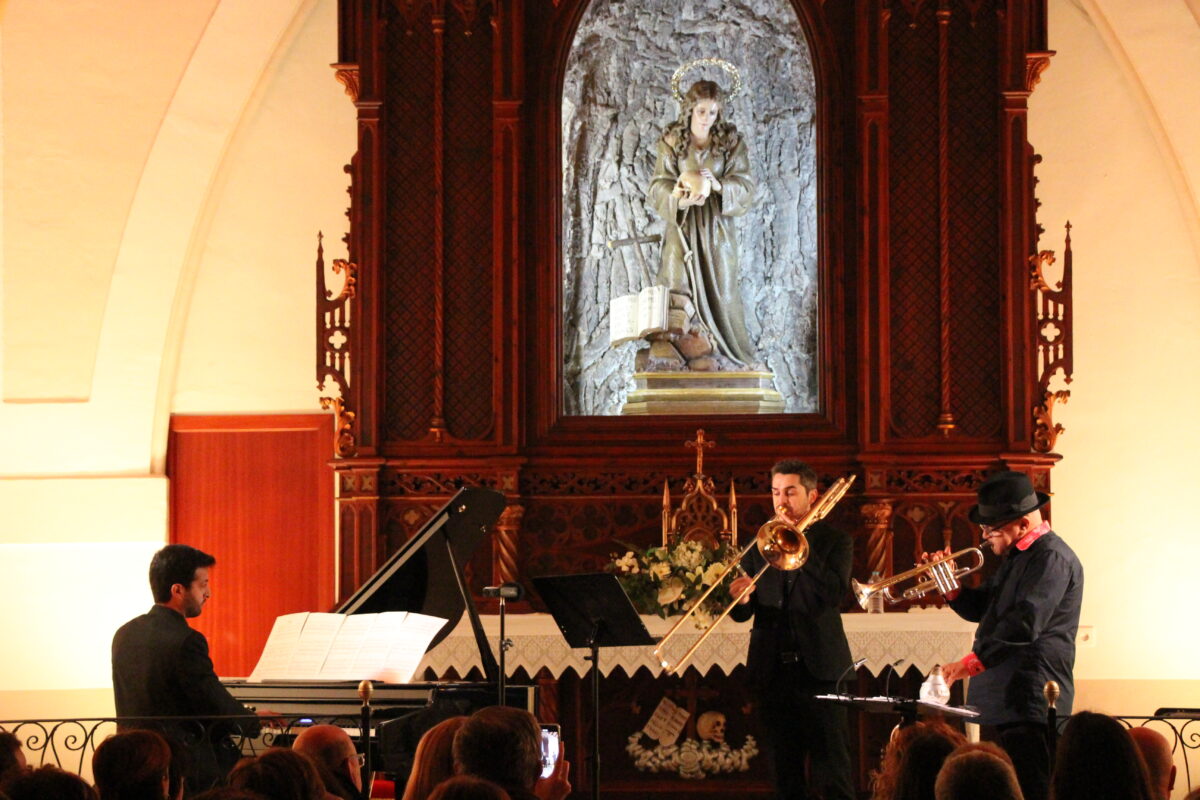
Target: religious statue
{"points": [[701, 183]]}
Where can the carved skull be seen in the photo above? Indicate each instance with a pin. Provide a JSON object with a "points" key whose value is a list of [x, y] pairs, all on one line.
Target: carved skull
{"points": [[711, 726]]}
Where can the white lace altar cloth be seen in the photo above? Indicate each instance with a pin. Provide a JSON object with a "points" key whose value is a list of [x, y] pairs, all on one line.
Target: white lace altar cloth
{"points": [[920, 638]]}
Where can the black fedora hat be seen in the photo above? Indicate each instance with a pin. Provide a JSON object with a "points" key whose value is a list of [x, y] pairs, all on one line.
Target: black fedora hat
{"points": [[1005, 496]]}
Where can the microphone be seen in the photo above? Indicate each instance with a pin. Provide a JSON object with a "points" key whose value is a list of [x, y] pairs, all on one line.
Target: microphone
{"points": [[887, 681], [852, 668], [507, 591]]}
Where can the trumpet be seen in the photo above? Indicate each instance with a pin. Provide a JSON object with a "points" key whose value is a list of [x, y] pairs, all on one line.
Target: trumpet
{"points": [[783, 545], [941, 574]]}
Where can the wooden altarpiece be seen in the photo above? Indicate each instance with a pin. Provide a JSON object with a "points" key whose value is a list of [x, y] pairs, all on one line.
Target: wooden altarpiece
{"points": [[939, 334]]}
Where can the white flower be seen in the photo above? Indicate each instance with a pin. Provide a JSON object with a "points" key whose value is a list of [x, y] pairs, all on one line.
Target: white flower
{"points": [[671, 591], [713, 572], [660, 570], [688, 555], [701, 618], [628, 563]]}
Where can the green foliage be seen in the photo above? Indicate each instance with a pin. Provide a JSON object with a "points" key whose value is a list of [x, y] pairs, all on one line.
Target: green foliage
{"points": [[668, 581]]}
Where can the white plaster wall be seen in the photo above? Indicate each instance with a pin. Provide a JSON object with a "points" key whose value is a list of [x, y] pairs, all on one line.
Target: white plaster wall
{"points": [[1116, 141], [249, 342], [212, 291]]}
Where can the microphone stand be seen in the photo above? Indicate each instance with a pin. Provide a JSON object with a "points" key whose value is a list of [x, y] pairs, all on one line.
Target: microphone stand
{"points": [[504, 592], [852, 668], [505, 643], [887, 680]]}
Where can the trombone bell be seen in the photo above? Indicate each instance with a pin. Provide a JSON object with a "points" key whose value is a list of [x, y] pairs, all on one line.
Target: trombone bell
{"points": [[941, 574]]}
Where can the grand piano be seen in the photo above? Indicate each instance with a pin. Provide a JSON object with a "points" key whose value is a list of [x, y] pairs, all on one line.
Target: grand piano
{"points": [[424, 576]]}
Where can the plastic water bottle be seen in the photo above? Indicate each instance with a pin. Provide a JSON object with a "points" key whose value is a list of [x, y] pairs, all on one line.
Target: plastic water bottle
{"points": [[875, 601], [934, 689]]}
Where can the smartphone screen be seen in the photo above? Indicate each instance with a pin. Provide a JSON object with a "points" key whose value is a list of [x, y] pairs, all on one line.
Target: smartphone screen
{"points": [[551, 748]]}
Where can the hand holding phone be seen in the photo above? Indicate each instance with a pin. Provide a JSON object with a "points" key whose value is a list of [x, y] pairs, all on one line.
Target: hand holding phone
{"points": [[551, 748]]}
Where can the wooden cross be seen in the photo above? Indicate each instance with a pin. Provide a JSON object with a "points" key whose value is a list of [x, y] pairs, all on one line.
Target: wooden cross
{"points": [[691, 693], [700, 444]]}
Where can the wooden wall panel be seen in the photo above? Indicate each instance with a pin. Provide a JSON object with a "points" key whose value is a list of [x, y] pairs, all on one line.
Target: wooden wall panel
{"points": [[257, 493]]}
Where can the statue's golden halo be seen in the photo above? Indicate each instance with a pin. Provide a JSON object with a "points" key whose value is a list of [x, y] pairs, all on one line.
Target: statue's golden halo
{"points": [[730, 70]]}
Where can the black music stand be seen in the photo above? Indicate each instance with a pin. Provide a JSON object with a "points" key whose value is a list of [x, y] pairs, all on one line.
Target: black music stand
{"points": [[593, 611], [907, 708]]}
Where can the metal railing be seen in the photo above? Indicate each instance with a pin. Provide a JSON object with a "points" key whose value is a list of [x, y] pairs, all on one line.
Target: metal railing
{"points": [[70, 743], [1180, 728]]}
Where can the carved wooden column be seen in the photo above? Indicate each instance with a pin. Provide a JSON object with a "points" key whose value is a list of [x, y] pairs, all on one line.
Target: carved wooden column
{"points": [[358, 522], [871, 87], [877, 522], [1022, 59], [945, 421], [508, 91], [505, 539]]}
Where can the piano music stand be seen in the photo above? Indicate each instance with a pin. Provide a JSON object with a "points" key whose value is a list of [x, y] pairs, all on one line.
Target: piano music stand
{"points": [[593, 611]]}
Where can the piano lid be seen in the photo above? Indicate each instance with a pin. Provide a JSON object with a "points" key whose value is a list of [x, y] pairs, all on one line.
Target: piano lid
{"points": [[426, 574]]}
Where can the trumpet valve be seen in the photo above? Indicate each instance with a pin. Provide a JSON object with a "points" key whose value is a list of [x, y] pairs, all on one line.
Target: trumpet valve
{"points": [[944, 576]]}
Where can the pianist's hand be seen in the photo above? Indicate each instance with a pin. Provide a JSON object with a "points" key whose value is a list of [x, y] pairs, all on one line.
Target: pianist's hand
{"points": [[270, 719], [556, 787]]}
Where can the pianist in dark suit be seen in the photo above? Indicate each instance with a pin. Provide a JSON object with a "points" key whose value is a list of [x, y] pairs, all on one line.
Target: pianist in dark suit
{"points": [[798, 648], [160, 667]]}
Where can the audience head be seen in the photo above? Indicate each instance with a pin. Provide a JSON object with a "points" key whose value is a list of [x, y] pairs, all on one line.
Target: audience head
{"points": [[227, 793], [468, 787], [1098, 760], [974, 773], [279, 774], [1156, 754], [500, 744], [134, 765], [984, 747], [12, 758], [49, 783], [331, 747], [433, 761], [912, 760]]}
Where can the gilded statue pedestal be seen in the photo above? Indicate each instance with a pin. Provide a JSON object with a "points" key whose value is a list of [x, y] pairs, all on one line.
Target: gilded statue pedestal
{"points": [[750, 392]]}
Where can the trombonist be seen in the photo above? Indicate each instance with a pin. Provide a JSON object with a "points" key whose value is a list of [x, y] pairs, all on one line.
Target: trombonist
{"points": [[798, 648], [1028, 614]]}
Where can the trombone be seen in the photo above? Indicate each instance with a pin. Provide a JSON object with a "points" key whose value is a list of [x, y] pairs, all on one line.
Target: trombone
{"points": [[941, 574], [783, 545]]}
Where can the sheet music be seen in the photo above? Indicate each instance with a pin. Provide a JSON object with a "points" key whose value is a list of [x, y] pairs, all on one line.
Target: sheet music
{"points": [[377, 644], [409, 645], [346, 647], [388, 646], [313, 646], [277, 652]]}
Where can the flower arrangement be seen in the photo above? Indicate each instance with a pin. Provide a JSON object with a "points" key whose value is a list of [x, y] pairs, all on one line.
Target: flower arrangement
{"points": [[667, 581]]}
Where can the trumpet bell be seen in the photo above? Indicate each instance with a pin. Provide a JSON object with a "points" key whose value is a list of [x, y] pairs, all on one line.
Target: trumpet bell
{"points": [[940, 574], [781, 545]]}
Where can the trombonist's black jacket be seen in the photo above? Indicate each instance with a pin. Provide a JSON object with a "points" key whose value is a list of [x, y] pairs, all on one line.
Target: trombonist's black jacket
{"points": [[799, 611], [1028, 614]]}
